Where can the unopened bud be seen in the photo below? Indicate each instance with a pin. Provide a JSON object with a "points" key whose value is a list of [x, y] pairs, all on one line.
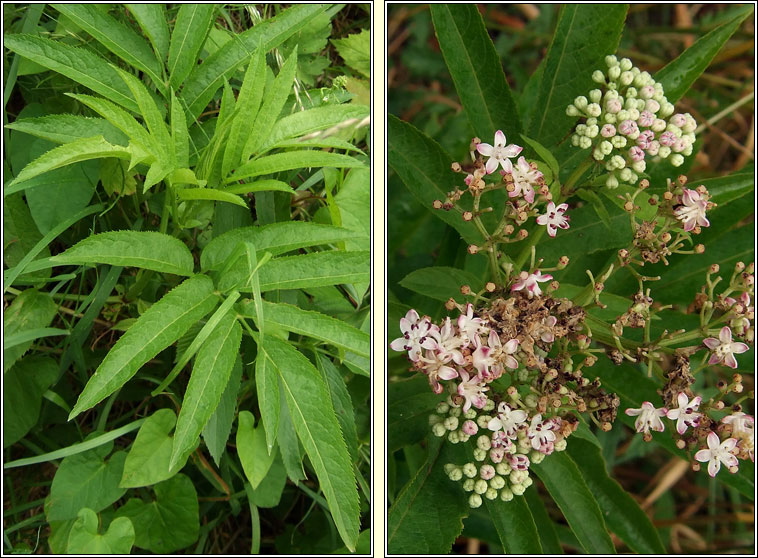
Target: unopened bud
{"points": [[739, 267], [699, 249], [523, 233], [715, 268], [455, 167], [508, 230]]}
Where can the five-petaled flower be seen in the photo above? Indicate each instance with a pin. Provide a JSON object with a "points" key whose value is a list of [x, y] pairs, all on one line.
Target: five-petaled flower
{"points": [[718, 452], [692, 210], [500, 153], [541, 434], [554, 218], [724, 348], [507, 420], [530, 282], [685, 415], [524, 177], [472, 390], [647, 417], [416, 335]]}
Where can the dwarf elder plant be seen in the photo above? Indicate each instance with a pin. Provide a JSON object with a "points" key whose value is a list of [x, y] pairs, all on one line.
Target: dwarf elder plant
{"points": [[186, 325], [582, 282]]}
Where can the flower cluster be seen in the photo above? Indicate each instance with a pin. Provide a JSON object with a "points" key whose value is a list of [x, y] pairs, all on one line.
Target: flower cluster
{"points": [[714, 442], [629, 121], [504, 391], [522, 180]]}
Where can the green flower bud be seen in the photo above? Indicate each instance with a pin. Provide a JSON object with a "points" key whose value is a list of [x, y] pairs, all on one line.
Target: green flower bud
{"points": [[439, 430], [480, 486], [491, 494], [506, 495], [442, 408], [503, 468], [475, 500], [518, 489], [468, 485], [598, 76], [483, 442], [470, 470], [479, 454]]}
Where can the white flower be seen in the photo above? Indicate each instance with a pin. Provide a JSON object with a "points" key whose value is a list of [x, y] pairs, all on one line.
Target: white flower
{"points": [[554, 218], [685, 415], [448, 342], [472, 390], [692, 210], [436, 368], [417, 335], [469, 326], [507, 420], [530, 282], [524, 176], [742, 424], [723, 348], [649, 417], [500, 153], [717, 453], [541, 434]]}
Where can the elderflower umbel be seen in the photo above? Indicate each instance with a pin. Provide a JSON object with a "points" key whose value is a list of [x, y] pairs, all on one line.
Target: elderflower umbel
{"points": [[625, 123], [724, 348], [499, 154], [718, 452]]}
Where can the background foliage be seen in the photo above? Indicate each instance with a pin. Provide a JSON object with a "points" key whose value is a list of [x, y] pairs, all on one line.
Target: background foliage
{"points": [[186, 278]]}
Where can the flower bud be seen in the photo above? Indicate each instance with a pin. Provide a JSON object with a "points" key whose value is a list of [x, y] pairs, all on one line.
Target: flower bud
{"points": [[571, 110], [483, 442], [614, 72], [506, 495], [475, 501], [479, 454], [598, 76], [480, 486], [580, 102], [439, 430], [451, 423]]}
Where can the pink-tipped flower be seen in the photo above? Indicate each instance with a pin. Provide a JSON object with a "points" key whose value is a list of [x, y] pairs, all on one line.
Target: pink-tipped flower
{"points": [[628, 127], [448, 342], [487, 471], [636, 153], [530, 282], [435, 366], [507, 420], [555, 218], [742, 424], [417, 335], [685, 415], [501, 441], [499, 154], [718, 452], [692, 210], [645, 139], [647, 417], [646, 119], [541, 434], [524, 178], [724, 348], [470, 428], [472, 390], [608, 131], [469, 326], [518, 461], [667, 139]]}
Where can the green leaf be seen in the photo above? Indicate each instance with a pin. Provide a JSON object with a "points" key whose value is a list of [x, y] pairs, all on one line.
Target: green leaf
{"points": [[313, 324], [118, 38], [622, 513], [515, 526], [593, 199], [289, 446], [29, 311], [318, 429], [63, 128], [276, 238], [315, 270], [251, 448], [179, 133], [355, 50], [424, 168], [268, 185], [85, 539], [85, 480], [161, 324], [248, 103], [565, 484], [210, 374], [341, 401], [409, 404], [67, 154], [269, 492], [584, 35], [219, 426], [119, 118], [193, 22], [319, 141], [476, 70], [548, 537], [427, 515], [267, 386], [441, 283], [78, 64], [194, 194], [679, 74], [152, 20], [290, 160], [151, 114], [205, 79], [148, 458], [307, 122], [144, 249], [22, 337], [20, 234], [544, 154], [169, 522], [353, 202], [23, 386]]}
